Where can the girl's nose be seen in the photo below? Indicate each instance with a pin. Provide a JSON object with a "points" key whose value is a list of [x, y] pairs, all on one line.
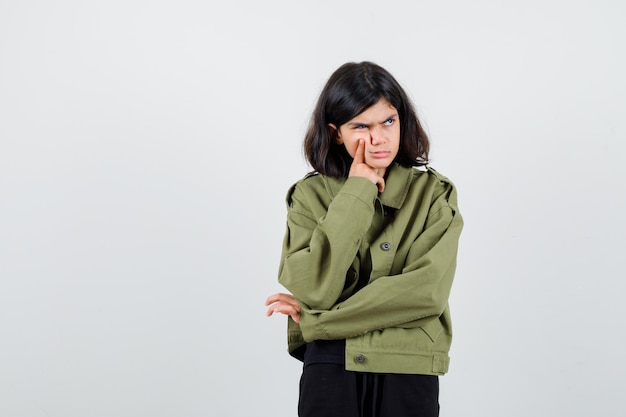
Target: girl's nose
{"points": [[377, 137]]}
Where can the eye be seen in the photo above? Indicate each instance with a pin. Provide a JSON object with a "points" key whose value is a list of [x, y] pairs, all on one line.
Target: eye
{"points": [[389, 121], [360, 126]]}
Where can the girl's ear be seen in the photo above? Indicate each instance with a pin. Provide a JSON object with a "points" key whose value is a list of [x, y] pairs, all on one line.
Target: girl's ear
{"points": [[335, 134]]}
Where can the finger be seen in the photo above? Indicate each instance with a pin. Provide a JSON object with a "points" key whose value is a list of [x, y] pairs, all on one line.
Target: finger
{"points": [[359, 155], [296, 317], [381, 185], [282, 306], [280, 297], [285, 309], [282, 303]]}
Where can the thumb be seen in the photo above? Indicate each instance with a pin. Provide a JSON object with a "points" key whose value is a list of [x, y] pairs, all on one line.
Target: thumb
{"points": [[381, 185]]}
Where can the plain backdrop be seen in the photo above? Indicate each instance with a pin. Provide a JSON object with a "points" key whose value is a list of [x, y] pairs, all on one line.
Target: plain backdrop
{"points": [[147, 146]]}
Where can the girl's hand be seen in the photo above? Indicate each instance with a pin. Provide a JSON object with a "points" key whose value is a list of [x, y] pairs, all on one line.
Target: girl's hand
{"points": [[285, 304], [360, 169]]}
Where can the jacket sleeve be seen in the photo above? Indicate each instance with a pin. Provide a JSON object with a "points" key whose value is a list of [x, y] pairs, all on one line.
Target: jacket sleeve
{"points": [[410, 299], [317, 252]]}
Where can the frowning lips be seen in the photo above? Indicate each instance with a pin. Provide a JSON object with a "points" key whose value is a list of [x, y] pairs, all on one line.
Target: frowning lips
{"points": [[380, 154]]}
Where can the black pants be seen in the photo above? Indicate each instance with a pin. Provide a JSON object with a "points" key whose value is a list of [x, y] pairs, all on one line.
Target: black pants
{"points": [[328, 390]]}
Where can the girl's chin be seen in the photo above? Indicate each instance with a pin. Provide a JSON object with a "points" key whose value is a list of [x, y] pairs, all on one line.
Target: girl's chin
{"points": [[381, 170], [379, 166]]}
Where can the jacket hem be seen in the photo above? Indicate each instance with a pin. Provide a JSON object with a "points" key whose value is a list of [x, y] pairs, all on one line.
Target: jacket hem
{"points": [[397, 363]]}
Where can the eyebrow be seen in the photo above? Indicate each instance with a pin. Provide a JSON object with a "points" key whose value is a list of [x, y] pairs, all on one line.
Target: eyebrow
{"points": [[392, 116]]}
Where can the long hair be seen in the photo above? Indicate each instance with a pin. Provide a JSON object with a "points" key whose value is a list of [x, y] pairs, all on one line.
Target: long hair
{"points": [[349, 91]]}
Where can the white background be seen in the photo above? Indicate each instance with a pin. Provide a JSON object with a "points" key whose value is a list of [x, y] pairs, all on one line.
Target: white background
{"points": [[146, 148]]}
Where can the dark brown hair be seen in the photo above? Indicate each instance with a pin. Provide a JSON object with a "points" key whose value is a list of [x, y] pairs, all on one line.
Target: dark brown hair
{"points": [[349, 91]]}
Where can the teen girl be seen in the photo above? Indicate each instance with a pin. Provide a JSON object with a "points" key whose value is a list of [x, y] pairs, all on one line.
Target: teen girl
{"points": [[369, 255]]}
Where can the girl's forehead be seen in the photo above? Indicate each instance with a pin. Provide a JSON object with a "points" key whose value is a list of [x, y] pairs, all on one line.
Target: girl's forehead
{"points": [[382, 106]]}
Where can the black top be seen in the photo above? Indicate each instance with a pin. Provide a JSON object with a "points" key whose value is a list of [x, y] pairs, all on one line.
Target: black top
{"points": [[325, 351]]}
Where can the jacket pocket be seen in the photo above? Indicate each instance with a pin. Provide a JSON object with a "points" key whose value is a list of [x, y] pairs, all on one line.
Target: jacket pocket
{"points": [[432, 329], [352, 279]]}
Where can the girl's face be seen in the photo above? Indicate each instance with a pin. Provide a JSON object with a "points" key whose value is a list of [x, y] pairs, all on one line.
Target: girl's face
{"points": [[379, 126]]}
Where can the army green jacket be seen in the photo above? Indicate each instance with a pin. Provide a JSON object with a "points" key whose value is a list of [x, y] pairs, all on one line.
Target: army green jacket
{"points": [[373, 268]]}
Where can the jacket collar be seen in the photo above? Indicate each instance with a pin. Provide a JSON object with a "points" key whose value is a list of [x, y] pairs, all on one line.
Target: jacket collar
{"points": [[397, 183]]}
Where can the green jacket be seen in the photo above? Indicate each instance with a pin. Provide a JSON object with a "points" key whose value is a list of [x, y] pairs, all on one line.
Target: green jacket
{"points": [[374, 269]]}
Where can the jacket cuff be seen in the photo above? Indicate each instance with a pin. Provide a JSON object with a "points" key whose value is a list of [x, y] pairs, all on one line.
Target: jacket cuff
{"points": [[311, 327]]}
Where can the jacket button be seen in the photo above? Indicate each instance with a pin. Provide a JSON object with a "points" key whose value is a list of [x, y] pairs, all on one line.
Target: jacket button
{"points": [[360, 358], [385, 246]]}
